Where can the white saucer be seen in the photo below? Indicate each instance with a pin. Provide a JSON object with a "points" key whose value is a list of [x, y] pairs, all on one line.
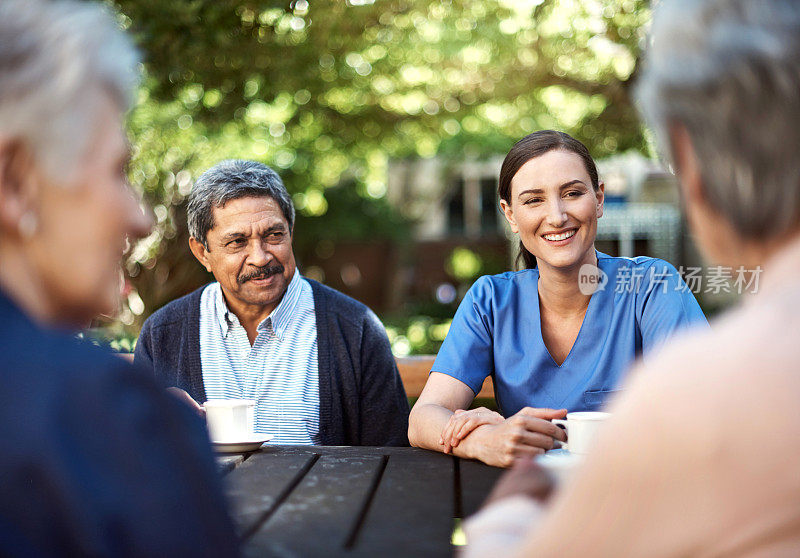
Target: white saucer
{"points": [[251, 443], [560, 463]]}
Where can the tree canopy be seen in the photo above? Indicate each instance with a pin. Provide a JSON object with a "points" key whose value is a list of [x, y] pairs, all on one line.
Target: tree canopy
{"points": [[328, 92]]}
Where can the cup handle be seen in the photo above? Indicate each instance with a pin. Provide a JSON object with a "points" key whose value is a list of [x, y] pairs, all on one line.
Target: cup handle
{"points": [[561, 423]]}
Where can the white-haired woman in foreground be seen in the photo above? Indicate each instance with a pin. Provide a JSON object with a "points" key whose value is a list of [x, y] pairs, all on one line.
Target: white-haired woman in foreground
{"points": [[95, 459], [700, 456]]}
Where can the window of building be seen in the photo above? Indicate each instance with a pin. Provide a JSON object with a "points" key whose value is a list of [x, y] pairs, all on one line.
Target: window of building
{"points": [[472, 208]]}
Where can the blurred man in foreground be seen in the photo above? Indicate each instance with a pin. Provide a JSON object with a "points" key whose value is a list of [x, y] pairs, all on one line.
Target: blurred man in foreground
{"points": [[700, 456], [95, 459]]}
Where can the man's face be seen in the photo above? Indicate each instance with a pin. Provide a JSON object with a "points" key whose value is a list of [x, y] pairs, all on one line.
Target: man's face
{"points": [[249, 252]]}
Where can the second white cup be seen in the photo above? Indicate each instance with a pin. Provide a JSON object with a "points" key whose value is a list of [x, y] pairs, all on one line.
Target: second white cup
{"points": [[582, 428]]}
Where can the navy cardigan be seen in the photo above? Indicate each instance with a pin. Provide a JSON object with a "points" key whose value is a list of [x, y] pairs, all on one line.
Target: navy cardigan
{"points": [[362, 400]]}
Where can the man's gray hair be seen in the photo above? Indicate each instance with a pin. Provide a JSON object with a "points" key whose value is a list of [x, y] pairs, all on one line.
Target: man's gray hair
{"points": [[729, 71], [230, 180], [54, 57]]}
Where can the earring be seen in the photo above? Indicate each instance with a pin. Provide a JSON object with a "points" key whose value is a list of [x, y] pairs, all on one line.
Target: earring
{"points": [[27, 225]]}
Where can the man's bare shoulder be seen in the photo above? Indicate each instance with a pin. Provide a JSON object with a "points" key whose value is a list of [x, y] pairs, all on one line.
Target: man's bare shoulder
{"points": [[698, 422], [744, 366], [755, 340]]}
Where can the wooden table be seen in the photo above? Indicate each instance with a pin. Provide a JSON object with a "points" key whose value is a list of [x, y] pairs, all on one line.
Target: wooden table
{"points": [[351, 501]]}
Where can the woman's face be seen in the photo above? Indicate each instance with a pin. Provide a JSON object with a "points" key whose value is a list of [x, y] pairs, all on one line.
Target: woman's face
{"points": [[554, 209], [83, 225]]}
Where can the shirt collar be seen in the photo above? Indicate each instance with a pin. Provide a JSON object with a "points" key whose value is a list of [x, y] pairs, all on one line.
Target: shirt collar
{"points": [[225, 317], [279, 319], [10, 311]]}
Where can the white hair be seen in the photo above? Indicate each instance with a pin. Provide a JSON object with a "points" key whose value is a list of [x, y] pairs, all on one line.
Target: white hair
{"points": [[54, 58], [230, 180], [729, 72]]}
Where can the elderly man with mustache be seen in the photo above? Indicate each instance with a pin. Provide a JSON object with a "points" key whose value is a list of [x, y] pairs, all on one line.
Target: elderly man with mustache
{"points": [[317, 363]]}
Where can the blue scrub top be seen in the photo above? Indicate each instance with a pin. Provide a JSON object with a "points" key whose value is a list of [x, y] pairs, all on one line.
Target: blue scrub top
{"points": [[497, 331]]}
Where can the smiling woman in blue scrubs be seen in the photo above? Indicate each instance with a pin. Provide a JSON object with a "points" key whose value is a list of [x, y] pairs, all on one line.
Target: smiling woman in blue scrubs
{"points": [[558, 335]]}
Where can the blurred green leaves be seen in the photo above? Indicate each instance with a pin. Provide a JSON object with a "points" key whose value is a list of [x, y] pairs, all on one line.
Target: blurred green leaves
{"points": [[416, 335], [327, 92], [464, 264]]}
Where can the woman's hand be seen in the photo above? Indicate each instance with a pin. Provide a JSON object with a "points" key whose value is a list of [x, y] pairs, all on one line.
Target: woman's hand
{"points": [[525, 434], [526, 478], [463, 422]]}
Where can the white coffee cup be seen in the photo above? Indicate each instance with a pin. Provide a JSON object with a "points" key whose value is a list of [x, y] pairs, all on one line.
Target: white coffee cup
{"points": [[230, 420], [582, 428]]}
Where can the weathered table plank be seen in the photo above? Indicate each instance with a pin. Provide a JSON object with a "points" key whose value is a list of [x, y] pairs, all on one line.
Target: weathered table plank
{"points": [[318, 516], [257, 486], [411, 513], [351, 501], [227, 463], [476, 480]]}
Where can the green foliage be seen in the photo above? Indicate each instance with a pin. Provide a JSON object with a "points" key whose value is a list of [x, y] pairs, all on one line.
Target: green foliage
{"points": [[416, 335], [464, 264], [328, 92], [117, 341], [349, 216]]}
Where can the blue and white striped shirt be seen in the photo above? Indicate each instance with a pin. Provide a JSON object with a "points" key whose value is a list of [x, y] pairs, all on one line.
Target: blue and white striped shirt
{"points": [[280, 370]]}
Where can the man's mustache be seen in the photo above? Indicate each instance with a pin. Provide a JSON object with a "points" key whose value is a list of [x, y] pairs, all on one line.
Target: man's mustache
{"points": [[262, 272]]}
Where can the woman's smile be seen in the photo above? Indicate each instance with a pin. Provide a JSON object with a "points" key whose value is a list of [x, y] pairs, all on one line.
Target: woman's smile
{"points": [[560, 238]]}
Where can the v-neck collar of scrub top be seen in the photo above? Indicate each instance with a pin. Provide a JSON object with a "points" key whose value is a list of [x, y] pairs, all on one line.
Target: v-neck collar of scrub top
{"points": [[587, 318], [593, 330]]}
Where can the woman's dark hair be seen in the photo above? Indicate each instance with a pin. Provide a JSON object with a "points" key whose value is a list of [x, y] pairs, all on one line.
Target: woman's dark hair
{"points": [[529, 147]]}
